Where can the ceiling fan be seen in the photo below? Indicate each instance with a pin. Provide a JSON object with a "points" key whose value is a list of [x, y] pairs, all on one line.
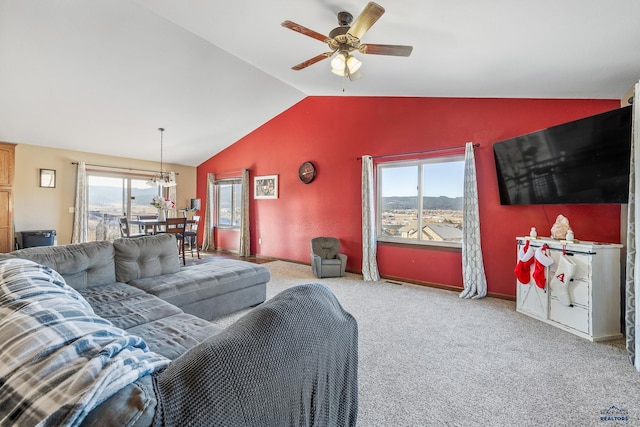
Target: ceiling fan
{"points": [[345, 39]]}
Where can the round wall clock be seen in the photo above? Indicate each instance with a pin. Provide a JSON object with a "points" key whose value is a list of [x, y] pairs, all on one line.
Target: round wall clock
{"points": [[307, 172]]}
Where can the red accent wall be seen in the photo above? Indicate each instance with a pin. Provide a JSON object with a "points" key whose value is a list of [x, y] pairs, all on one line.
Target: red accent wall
{"points": [[333, 132]]}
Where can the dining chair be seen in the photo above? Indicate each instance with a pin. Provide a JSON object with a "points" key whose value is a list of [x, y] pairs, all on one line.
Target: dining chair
{"points": [[125, 228], [191, 235], [177, 226], [144, 228]]}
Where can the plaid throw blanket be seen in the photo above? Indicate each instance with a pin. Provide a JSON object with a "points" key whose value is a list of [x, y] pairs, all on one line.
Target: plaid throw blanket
{"points": [[58, 359]]}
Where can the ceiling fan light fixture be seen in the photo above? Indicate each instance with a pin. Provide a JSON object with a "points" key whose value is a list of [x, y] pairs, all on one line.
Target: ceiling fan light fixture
{"points": [[344, 64], [355, 76], [347, 38], [353, 64], [337, 64]]}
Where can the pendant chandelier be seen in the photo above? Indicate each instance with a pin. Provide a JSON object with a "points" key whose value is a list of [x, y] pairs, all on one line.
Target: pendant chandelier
{"points": [[162, 179]]}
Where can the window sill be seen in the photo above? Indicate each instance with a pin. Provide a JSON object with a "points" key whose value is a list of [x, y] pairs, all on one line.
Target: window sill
{"points": [[435, 246]]}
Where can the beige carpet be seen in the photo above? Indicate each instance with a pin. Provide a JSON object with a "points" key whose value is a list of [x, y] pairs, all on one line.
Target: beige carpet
{"points": [[428, 358]]}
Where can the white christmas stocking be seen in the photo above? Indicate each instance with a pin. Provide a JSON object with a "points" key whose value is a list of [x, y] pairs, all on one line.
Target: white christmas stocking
{"points": [[560, 282]]}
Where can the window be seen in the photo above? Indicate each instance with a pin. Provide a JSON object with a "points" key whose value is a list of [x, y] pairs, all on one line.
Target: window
{"points": [[229, 204], [115, 195], [438, 183]]}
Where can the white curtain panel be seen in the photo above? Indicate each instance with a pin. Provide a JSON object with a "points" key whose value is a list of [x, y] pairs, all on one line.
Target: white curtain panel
{"points": [[172, 194], [80, 232], [632, 283], [208, 241], [369, 241], [245, 236], [474, 279]]}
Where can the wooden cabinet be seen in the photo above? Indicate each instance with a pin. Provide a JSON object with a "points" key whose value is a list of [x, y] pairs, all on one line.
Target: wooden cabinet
{"points": [[627, 98], [7, 160], [594, 290]]}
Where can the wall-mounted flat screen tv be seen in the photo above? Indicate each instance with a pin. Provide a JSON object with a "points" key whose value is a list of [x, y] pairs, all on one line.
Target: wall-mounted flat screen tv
{"points": [[584, 161]]}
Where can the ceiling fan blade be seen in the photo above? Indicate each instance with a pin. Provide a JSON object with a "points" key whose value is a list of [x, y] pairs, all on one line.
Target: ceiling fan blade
{"points": [[304, 30], [371, 13], [385, 49], [311, 61]]}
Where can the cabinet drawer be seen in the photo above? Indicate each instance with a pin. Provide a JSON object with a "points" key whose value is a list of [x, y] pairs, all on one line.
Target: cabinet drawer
{"points": [[578, 292], [575, 317], [582, 262], [583, 267]]}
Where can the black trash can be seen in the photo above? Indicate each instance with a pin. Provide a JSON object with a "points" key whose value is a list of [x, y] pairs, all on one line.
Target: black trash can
{"points": [[33, 238]]}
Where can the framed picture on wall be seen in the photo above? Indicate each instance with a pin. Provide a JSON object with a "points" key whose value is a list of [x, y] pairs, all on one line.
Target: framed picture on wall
{"points": [[265, 187], [48, 178]]}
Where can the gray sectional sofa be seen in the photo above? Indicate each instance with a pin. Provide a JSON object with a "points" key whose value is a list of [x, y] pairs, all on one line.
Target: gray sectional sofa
{"points": [[118, 334], [150, 263]]}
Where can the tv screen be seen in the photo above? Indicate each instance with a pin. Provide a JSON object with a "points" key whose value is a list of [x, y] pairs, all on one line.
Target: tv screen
{"points": [[584, 161]]}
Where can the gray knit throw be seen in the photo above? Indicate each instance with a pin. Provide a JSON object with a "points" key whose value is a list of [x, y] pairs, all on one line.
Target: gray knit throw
{"points": [[293, 361]]}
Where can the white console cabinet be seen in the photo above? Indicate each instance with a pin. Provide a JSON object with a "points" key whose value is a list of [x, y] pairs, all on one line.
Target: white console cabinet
{"points": [[594, 291]]}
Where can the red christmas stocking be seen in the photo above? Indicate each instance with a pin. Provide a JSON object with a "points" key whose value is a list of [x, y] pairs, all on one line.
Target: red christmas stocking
{"points": [[523, 267], [542, 261]]}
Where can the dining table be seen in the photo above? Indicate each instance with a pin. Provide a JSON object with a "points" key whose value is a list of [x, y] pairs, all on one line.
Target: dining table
{"points": [[153, 226]]}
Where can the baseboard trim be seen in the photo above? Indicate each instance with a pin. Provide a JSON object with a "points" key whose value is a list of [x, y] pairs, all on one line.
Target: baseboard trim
{"points": [[412, 282], [442, 286]]}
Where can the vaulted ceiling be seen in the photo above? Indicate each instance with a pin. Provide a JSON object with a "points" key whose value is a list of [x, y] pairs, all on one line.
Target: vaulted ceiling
{"points": [[103, 75]]}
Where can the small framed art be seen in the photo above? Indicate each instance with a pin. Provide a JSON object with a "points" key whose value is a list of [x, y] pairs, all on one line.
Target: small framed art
{"points": [[265, 187], [48, 178]]}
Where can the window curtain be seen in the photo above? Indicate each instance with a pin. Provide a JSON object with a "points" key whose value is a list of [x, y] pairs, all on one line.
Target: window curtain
{"points": [[369, 239], [632, 282], [80, 232], [474, 279], [172, 194], [245, 236], [209, 241]]}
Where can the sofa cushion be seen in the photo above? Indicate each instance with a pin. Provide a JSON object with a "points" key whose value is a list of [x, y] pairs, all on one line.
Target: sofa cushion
{"points": [[132, 406], [146, 256], [126, 306], [204, 281], [172, 336], [81, 265], [325, 247]]}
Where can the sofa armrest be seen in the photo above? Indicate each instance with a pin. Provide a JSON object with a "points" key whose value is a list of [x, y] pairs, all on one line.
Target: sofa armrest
{"points": [[343, 262]]}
